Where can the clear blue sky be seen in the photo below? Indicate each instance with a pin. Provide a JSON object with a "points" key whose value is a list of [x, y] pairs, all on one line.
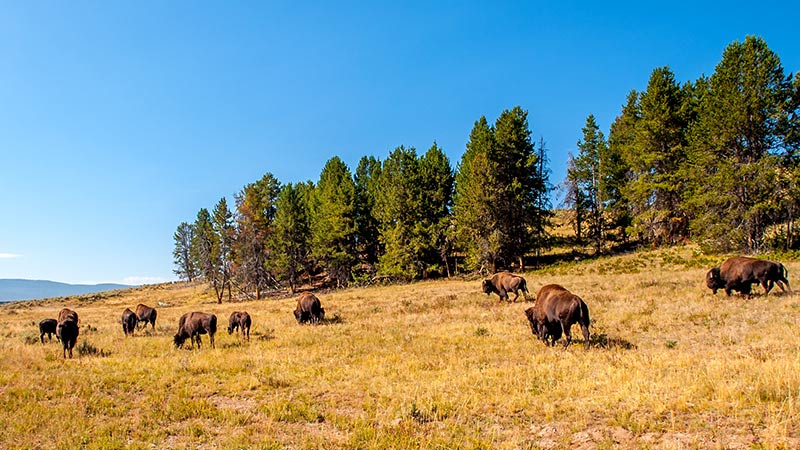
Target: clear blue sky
{"points": [[120, 119]]}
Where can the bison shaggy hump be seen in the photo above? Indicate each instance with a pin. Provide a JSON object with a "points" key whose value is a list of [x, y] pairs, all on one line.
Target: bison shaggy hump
{"points": [[740, 273], [146, 314], [309, 309], [129, 321], [555, 311], [504, 282]]}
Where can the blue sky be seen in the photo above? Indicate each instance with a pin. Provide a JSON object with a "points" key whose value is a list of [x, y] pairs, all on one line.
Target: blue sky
{"points": [[119, 120]]}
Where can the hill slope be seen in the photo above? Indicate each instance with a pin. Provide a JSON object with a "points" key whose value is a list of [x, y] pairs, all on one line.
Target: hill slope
{"points": [[15, 289], [425, 365]]}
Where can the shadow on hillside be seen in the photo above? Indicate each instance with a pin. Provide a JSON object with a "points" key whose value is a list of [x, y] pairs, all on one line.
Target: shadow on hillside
{"points": [[335, 320], [577, 252], [603, 341]]}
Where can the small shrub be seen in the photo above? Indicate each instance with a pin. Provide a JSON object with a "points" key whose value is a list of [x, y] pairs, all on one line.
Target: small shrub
{"points": [[671, 344], [31, 339], [481, 331], [87, 349]]}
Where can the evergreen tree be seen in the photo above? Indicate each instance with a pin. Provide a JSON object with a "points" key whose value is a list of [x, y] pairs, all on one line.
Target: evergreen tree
{"points": [[541, 211], [222, 224], [656, 158], [587, 176], [736, 145], [185, 268], [615, 169], [575, 199], [291, 239], [255, 211], [367, 236], [333, 227], [205, 247], [436, 182], [473, 202], [397, 208]]}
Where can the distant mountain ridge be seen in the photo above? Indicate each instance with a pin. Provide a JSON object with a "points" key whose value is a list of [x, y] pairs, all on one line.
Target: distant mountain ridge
{"points": [[16, 289]]}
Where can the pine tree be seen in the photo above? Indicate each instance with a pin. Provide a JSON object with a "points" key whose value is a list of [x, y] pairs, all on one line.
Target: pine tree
{"points": [[205, 247], [575, 199], [255, 211], [656, 158], [222, 224], [397, 208], [436, 181], [291, 240], [333, 227], [736, 146], [616, 171], [473, 201], [185, 269], [541, 210], [367, 235], [587, 176]]}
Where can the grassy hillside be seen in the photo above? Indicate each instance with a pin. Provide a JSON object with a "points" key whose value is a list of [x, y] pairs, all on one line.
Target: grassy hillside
{"points": [[425, 365]]}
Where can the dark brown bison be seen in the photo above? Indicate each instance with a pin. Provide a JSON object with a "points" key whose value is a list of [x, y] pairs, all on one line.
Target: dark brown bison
{"points": [[192, 325], [129, 321], [740, 273], [146, 314], [309, 309], [504, 282], [555, 311], [67, 330], [48, 327], [240, 320]]}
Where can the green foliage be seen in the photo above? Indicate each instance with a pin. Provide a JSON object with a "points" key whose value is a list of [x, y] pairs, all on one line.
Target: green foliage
{"points": [[586, 176], [291, 241], [333, 228], [365, 191], [185, 268]]}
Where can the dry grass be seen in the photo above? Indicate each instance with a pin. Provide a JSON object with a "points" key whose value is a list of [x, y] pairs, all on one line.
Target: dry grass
{"points": [[425, 365]]}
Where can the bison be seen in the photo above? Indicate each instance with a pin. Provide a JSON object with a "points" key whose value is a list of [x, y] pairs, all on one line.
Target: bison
{"points": [[146, 314], [48, 327], [740, 273], [309, 309], [191, 325], [240, 320], [67, 330], [555, 311], [129, 321], [504, 282]]}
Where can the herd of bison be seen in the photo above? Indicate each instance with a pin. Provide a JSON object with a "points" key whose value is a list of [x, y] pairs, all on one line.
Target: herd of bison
{"points": [[554, 312]]}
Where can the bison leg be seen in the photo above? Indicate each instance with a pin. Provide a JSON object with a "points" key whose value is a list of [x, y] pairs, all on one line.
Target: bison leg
{"points": [[784, 285], [567, 334], [516, 296], [211, 338], [767, 286], [585, 331]]}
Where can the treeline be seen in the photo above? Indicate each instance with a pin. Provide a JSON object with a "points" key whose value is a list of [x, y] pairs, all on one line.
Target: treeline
{"points": [[714, 160], [407, 217]]}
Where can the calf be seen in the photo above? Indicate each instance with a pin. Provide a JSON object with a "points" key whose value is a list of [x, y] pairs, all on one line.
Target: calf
{"points": [[146, 314], [554, 313], [67, 330], [192, 325], [504, 282], [48, 327], [309, 309], [240, 320], [129, 321]]}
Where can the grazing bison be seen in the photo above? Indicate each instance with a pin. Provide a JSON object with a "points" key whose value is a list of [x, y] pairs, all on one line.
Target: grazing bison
{"points": [[192, 325], [740, 273], [48, 327], [146, 314], [67, 330], [240, 320], [504, 282], [554, 313], [308, 309], [129, 321]]}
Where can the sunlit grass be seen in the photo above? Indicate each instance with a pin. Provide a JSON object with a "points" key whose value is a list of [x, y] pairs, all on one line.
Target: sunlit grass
{"points": [[424, 365]]}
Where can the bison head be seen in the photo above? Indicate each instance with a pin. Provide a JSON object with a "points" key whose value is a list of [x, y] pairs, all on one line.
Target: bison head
{"points": [[488, 287], [179, 339], [714, 280]]}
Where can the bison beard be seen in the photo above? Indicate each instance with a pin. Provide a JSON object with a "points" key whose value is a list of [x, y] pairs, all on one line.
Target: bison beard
{"points": [[67, 330]]}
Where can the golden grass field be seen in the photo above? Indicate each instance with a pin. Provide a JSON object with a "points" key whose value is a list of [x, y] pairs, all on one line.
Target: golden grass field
{"points": [[426, 365]]}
